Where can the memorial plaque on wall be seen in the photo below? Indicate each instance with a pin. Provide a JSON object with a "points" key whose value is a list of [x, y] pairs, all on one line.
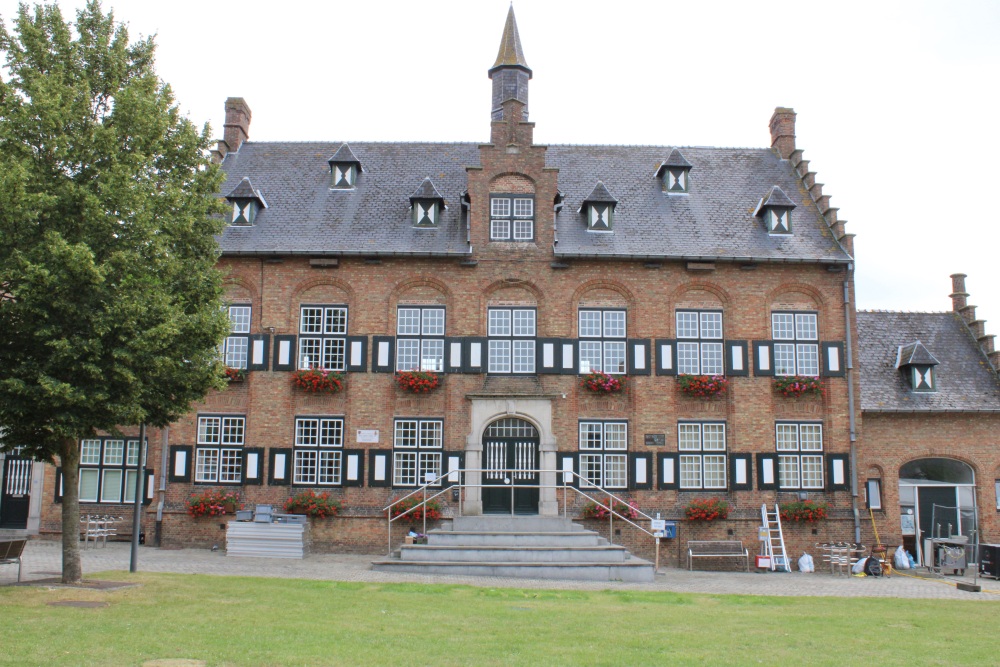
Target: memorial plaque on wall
{"points": [[656, 439]]}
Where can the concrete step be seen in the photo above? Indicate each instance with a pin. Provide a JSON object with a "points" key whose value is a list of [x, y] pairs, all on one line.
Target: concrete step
{"points": [[635, 570], [500, 554], [522, 524], [582, 538]]}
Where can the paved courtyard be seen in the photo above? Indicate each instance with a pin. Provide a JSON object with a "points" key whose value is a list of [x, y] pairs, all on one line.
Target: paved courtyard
{"points": [[43, 560]]}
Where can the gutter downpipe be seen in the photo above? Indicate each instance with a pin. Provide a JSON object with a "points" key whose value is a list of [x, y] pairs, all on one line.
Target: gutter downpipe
{"points": [[850, 406], [164, 454]]}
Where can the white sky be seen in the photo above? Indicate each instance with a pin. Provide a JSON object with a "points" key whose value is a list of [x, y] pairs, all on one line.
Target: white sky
{"points": [[897, 102]]}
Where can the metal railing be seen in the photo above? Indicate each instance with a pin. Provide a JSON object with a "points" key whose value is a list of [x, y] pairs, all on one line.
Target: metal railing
{"points": [[582, 487]]}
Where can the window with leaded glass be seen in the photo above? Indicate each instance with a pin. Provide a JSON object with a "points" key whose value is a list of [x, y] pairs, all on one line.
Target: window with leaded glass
{"points": [[219, 454], [604, 453], [511, 340], [800, 455], [796, 343], [417, 452], [108, 466], [699, 342], [512, 217], [323, 337], [419, 338], [236, 346], [319, 443], [602, 341], [702, 455]]}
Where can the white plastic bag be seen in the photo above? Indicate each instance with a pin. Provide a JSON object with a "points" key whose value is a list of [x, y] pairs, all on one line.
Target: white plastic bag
{"points": [[859, 567], [900, 560], [806, 563]]}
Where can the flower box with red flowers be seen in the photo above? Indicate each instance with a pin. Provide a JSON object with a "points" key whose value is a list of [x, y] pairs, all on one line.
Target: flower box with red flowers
{"points": [[794, 386], [807, 511], [707, 509], [214, 502], [603, 383], [235, 374], [402, 509], [702, 386], [628, 510], [310, 503], [417, 382], [319, 380]]}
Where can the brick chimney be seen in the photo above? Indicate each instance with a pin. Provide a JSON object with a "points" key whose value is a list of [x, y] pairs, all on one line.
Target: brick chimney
{"points": [[783, 132], [237, 125]]}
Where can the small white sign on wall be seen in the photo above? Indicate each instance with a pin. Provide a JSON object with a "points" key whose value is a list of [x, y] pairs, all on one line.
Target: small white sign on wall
{"points": [[367, 435]]}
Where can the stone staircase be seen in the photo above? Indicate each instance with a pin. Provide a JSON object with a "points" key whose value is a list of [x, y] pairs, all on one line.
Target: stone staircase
{"points": [[529, 547]]}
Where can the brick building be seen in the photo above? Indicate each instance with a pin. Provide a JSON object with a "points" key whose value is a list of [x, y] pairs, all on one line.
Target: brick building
{"points": [[512, 270]]}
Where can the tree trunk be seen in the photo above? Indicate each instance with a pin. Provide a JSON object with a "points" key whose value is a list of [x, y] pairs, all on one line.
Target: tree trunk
{"points": [[69, 456]]}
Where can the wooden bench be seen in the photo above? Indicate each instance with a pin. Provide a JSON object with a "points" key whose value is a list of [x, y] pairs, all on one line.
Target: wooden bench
{"points": [[10, 553], [717, 549]]}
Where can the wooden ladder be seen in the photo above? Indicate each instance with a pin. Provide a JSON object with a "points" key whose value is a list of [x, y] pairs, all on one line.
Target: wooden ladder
{"points": [[774, 545]]}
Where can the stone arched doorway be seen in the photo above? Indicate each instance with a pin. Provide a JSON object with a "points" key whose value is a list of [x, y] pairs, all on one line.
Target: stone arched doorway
{"points": [[936, 498], [510, 467]]}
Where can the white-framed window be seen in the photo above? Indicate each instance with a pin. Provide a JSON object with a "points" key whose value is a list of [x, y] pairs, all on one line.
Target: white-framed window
{"points": [[219, 454], [796, 346], [873, 493], [996, 489], [419, 338], [319, 443], [800, 455], [699, 342], [343, 175], [511, 340], [236, 347], [323, 337], [702, 455], [417, 452], [108, 466], [604, 453], [512, 217], [602, 340]]}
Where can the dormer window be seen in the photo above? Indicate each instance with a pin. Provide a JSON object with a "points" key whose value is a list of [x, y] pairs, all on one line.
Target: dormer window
{"points": [[917, 363], [599, 207], [776, 210], [246, 203], [674, 173], [344, 168], [427, 204]]}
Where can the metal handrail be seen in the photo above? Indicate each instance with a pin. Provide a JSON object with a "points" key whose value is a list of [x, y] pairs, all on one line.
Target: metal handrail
{"points": [[565, 486]]}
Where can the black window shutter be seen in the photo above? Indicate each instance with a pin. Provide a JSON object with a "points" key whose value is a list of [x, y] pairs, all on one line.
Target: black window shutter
{"points": [[476, 351], [180, 463], [452, 463], [279, 466], [666, 356], [548, 355], [737, 364], [357, 354], [352, 471], [638, 353], [59, 486], [763, 358], [148, 486], [454, 355], [253, 465], [379, 467], [767, 472], [568, 357], [284, 353], [833, 359], [569, 463], [838, 472], [257, 355], [383, 354], [640, 471], [669, 472], [740, 474]]}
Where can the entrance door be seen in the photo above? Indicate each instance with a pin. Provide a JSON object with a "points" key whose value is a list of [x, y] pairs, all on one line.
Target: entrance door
{"points": [[938, 510], [15, 495], [510, 451]]}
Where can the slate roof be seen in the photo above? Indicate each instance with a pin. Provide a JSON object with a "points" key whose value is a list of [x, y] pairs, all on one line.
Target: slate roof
{"points": [[510, 54], [713, 221], [777, 197], [425, 190], [344, 155], [675, 159], [600, 195], [915, 354], [965, 382]]}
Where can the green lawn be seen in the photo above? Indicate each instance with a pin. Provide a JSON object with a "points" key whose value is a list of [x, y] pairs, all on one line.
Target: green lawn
{"points": [[247, 621]]}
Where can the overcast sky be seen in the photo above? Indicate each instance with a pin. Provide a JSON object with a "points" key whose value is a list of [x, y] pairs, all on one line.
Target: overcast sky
{"points": [[897, 102]]}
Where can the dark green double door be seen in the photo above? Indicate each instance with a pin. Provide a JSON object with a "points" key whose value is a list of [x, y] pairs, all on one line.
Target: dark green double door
{"points": [[510, 476]]}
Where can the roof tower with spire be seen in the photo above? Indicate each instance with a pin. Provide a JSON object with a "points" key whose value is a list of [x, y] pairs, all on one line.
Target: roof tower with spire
{"points": [[510, 73]]}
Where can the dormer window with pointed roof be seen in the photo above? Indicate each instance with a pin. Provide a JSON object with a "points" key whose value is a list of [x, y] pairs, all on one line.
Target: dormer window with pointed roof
{"points": [[776, 210], [427, 204], [599, 207], [674, 173], [246, 203], [344, 168], [918, 364]]}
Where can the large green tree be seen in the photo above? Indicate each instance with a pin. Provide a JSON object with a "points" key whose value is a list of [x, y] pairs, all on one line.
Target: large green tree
{"points": [[110, 302]]}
